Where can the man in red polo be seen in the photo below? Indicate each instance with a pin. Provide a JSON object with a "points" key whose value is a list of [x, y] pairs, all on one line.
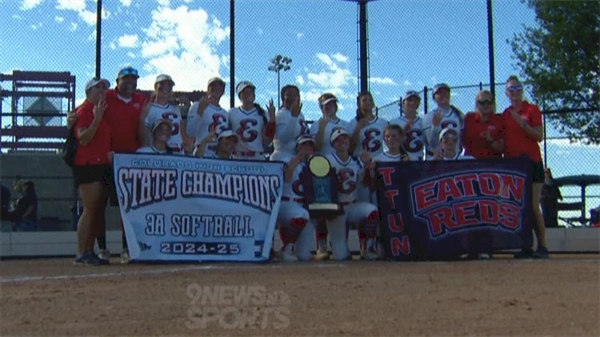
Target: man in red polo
{"points": [[124, 107]]}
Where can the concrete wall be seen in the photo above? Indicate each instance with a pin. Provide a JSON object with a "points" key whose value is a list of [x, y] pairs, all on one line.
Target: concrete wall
{"points": [[53, 182]]}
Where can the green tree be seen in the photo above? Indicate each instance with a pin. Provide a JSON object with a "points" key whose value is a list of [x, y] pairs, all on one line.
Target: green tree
{"points": [[559, 58]]}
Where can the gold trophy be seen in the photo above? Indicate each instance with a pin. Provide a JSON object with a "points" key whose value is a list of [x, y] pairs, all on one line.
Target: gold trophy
{"points": [[321, 189]]}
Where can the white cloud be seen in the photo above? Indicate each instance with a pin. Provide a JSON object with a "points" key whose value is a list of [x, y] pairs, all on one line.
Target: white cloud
{"points": [[80, 7], [131, 54], [335, 75], [330, 73], [17, 17], [29, 4], [165, 3], [126, 3], [299, 35], [59, 19], [340, 57], [382, 80], [128, 41], [407, 83], [186, 52], [36, 26], [73, 26]]}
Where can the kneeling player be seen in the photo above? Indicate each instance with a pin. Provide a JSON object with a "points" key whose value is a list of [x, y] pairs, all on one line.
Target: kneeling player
{"points": [[350, 172], [296, 228]]}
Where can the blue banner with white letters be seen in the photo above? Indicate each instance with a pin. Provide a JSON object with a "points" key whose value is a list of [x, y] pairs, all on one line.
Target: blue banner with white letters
{"points": [[177, 208], [445, 209]]}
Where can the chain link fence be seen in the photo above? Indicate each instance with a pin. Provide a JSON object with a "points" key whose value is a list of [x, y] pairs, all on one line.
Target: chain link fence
{"points": [[411, 44]]}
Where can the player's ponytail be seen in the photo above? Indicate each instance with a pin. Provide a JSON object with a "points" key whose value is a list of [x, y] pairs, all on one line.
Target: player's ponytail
{"points": [[261, 112]]}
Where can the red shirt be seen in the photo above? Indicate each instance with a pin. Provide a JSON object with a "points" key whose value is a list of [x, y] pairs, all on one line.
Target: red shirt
{"points": [[124, 120], [518, 141], [96, 151], [474, 141]]}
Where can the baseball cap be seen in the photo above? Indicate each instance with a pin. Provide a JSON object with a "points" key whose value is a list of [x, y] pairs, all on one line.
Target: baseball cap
{"points": [[336, 133], [128, 71], [94, 82], [226, 133], [243, 85], [304, 139], [448, 130], [215, 79], [440, 86], [330, 99], [410, 93], [159, 122], [164, 77]]}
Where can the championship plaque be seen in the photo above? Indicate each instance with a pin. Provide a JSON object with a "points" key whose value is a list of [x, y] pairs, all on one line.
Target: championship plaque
{"points": [[321, 188]]}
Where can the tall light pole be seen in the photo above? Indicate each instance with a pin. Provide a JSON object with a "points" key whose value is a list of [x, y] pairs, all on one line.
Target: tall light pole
{"points": [[279, 63]]}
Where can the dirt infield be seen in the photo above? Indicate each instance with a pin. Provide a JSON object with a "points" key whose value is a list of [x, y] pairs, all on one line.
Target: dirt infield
{"points": [[558, 297]]}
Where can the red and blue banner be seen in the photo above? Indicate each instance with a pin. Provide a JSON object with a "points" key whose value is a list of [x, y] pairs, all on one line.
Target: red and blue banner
{"points": [[438, 210]]}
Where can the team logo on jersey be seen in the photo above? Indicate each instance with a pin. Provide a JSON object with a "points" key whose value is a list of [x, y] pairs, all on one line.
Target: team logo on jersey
{"points": [[466, 200]]}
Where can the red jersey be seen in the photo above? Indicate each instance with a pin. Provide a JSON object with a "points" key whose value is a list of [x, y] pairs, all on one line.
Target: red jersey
{"points": [[124, 119], [518, 141], [96, 151], [475, 142]]}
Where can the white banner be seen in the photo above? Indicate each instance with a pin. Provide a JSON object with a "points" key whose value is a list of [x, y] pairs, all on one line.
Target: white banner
{"points": [[178, 208]]}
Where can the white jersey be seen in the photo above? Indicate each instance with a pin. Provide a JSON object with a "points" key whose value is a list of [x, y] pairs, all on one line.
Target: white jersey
{"points": [[450, 119], [200, 126], [414, 139], [329, 128], [370, 137], [349, 174], [294, 190], [385, 157], [151, 149], [249, 126], [288, 129], [172, 113]]}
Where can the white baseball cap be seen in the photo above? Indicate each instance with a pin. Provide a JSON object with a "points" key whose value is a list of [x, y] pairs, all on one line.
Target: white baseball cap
{"points": [[448, 130], [336, 133], [226, 134], [304, 139], [410, 93], [159, 122], [215, 79], [243, 85], [95, 81], [163, 77], [439, 86], [330, 99]]}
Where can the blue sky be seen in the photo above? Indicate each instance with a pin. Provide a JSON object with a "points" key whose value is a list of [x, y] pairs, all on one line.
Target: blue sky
{"points": [[413, 43]]}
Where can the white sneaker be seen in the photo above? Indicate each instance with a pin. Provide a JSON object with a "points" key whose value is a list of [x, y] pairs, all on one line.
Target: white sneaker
{"points": [[125, 257], [369, 255], [483, 256], [104, 254], [322, 254], [288, 257]]}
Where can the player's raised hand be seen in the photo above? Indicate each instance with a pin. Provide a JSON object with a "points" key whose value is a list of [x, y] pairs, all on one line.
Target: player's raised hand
{"points": [[99, 108], [487, 136], [203, 104], [212, 136], [323, 121], [271, 110], [189, 143], [296, 107], [362, 123]]}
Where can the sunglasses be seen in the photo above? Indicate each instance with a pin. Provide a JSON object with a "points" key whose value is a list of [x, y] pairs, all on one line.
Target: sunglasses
{"points": [[515, 88], [128, 71], [485, 102]]}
